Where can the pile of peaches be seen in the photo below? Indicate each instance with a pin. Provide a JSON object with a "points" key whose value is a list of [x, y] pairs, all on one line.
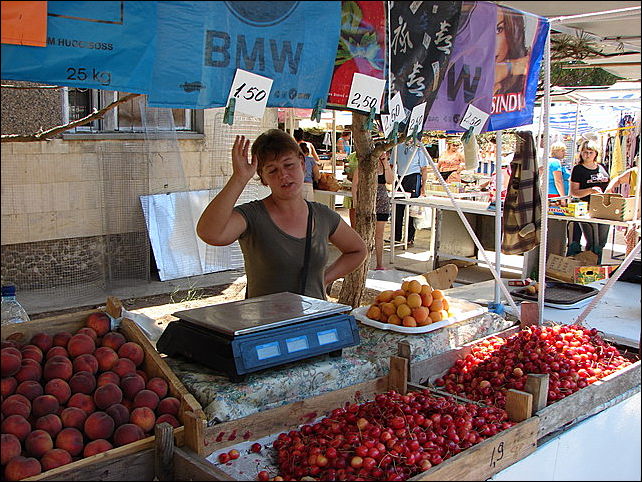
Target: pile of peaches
{"points": [[414, 304], [72, 395]]}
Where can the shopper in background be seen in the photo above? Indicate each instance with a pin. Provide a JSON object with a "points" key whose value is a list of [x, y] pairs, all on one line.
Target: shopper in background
{"points": [[451, 162], [382, 203], [274, 231], [590, 177], [558, 176], [312, 173], [343, 144], [414, 174], [298, 136]]}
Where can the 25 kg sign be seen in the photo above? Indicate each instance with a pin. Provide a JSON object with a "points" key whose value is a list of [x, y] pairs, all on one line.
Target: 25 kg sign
{"points": [[251, 92]]}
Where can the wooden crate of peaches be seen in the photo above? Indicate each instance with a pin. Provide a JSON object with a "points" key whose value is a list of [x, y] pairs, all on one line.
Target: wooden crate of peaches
{"points": [[414, 304], [73, 388]]}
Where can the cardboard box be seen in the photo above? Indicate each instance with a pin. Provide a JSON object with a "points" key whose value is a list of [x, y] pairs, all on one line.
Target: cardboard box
{"points": [[577, 209], [581, 269], [611, 206]]}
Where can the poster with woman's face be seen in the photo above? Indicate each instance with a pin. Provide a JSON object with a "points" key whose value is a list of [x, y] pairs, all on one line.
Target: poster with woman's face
{"points": [[519, 47]]}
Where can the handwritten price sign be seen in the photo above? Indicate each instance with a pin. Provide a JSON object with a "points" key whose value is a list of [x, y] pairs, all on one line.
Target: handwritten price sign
{"points": [[365, 93], [397, 111], [474, 118], [251, 92], [417, 118]]}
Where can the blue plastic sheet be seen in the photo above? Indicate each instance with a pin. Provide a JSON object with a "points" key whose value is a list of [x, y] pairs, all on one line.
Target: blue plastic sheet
{"points": [[98, 45], [201, 44]]}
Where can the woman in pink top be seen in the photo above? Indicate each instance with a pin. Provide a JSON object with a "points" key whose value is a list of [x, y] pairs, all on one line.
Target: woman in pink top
{"points": [[451, 162]]}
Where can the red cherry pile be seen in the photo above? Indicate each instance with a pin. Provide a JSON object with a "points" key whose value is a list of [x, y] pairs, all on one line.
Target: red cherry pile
{"points": [[573, 356], [392, 437]]}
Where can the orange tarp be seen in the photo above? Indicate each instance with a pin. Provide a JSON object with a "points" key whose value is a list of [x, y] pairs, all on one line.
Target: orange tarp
{"points": [[24, 23]]}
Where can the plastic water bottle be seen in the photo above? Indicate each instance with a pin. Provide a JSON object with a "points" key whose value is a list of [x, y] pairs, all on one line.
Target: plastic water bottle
{"points": [[12, 311]]}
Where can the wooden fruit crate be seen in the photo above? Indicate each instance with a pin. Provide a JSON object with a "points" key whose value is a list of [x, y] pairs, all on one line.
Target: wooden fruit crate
{"points": [[577, 406], [476, 463], [131, 455]]}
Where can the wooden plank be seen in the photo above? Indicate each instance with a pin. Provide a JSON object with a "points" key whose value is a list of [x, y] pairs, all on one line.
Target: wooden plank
{"points": [[194, 432], [190, 466], [564, 411], [286, 417], [537, 385], [529, 314], [519, 405], [22, 332], [403, 351], [398, 376], [426, 371], [130, 466], [485, 459], [164, 452]]}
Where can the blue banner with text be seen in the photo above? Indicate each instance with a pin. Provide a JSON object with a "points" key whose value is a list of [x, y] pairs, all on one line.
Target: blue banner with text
{"points": [[98, 45], [202, 44]]}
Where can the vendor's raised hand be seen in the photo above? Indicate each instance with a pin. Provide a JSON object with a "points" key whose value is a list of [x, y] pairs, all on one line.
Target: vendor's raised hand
{"points": [[241, 165]]}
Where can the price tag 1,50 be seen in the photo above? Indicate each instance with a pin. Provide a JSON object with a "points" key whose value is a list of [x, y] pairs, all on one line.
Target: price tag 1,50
{"points": [[417, 119], [365, 93], [251, 92], [397, 111], [474, 118]]}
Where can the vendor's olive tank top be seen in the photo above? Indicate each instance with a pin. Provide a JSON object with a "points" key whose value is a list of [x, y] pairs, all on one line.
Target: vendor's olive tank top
{"points": [[274, 259]]}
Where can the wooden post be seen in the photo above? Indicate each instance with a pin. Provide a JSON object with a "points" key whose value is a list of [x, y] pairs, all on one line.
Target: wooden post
{"points": [[164, 454], [114, 307], [403, 351], [537, 385], [398, 376], [529, 314], [519, 405], [194, 434]]}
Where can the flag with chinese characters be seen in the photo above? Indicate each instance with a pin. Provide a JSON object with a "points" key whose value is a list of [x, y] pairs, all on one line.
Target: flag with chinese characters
{"points": [[422, 35]]}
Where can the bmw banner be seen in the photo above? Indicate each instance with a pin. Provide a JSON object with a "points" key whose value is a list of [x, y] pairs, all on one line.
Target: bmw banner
{"points": [[201, 45]]}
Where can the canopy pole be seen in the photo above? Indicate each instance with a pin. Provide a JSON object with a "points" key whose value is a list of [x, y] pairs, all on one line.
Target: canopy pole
{"points": [[333, 142], [499, 181], [577, 123], [544, 182]]}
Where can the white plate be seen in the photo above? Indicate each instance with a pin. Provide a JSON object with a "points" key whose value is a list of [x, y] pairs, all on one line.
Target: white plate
{"points": [[464, 310]]}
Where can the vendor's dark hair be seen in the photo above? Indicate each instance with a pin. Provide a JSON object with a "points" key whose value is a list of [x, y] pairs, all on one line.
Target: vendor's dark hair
{"points": [[271, 144], [298, 134], [304, 148]]}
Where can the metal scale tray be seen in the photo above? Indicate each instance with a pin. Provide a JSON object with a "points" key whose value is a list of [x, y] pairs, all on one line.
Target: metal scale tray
{"points": [[241, 337]]}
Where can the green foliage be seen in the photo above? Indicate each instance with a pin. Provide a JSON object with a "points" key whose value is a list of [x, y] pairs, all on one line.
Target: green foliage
{"points": [[579, 77]]}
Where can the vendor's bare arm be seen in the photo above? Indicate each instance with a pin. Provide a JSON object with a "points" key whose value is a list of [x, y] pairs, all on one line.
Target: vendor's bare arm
{"points": [[353, 252], [220, 225]]}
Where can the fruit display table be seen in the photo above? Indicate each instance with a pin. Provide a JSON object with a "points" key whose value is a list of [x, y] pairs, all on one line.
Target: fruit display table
{"points": [[223, 400]]}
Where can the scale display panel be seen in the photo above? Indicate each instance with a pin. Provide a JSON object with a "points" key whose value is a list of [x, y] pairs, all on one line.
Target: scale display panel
{"points": [[261, 313]]}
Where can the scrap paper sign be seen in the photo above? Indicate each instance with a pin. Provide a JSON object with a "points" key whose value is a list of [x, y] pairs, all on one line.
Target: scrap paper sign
{"points": [[251, 92], [386, 124], [475, 118], [397, 111], [365, 93], [416, 121]]}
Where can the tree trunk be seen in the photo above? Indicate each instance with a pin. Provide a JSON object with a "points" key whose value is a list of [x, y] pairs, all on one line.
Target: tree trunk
{"points": [[354, 283]]}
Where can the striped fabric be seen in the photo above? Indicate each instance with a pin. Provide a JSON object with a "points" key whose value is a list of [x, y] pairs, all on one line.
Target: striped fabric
{"points": [[522, 217]]}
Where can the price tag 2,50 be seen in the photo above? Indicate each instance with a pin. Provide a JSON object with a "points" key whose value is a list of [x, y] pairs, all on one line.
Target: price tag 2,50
{"points": [[416, 121], [251, 92], [365, 93], [397, 111], [474, 118]]}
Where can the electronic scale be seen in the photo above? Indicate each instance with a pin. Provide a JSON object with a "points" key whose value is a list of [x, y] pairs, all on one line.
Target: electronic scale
{"points": [[246, 336]]}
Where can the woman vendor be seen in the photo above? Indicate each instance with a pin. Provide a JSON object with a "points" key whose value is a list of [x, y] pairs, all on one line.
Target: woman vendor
{"points": [[275, 231]]}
